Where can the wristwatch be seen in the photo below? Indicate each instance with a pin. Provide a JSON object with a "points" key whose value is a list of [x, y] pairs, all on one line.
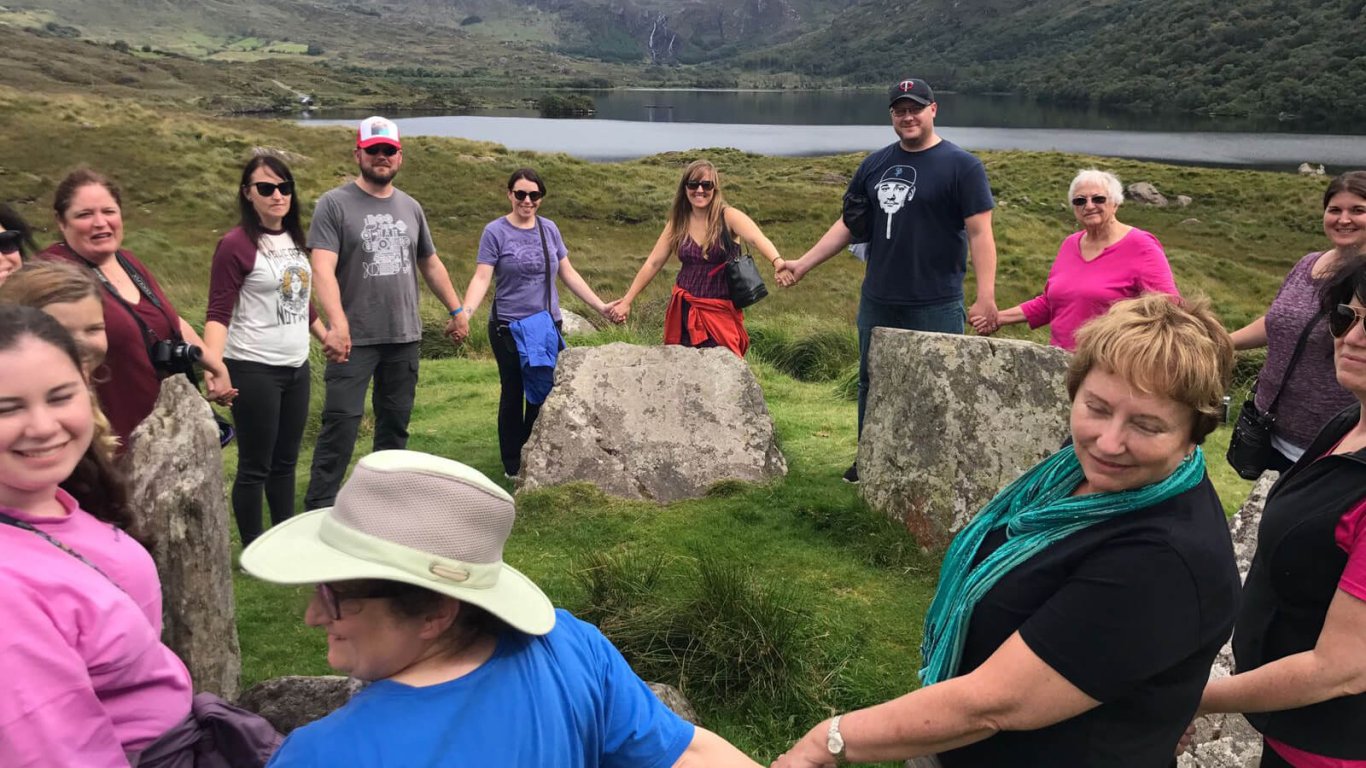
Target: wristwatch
{"points": [[835, 742]]}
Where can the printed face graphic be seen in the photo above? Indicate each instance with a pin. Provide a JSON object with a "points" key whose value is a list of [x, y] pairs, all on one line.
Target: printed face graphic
{"points": [[894, 190]]}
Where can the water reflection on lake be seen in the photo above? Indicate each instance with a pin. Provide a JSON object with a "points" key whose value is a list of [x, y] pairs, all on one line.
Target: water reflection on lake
{"points": [[636, 123]]}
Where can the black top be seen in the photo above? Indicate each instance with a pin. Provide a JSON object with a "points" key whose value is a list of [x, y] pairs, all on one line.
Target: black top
{"points": [[1131, 611], [1293, 578]]}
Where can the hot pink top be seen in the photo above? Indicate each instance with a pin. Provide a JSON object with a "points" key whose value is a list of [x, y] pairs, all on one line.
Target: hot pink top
{"points": [[85, 675], [1351, 538], [1078, 290]]}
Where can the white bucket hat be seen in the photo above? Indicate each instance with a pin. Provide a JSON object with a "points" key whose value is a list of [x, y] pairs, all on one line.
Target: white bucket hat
{"points": [[415, 518]]}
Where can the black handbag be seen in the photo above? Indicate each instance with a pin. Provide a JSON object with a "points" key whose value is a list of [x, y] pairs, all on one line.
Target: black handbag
{"points": [[742, 274], [857, 217], [1249, 447]]}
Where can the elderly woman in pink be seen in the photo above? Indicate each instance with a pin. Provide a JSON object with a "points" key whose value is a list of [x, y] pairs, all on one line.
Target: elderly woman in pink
{"points": [[1105, 262]]}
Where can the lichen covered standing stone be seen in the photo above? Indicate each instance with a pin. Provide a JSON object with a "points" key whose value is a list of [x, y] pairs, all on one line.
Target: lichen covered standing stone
{"points": [[659, 423], [951, 420]]}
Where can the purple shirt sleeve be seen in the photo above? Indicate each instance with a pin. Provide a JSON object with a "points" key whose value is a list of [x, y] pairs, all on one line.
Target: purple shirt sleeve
{"points": [[233, 260]]}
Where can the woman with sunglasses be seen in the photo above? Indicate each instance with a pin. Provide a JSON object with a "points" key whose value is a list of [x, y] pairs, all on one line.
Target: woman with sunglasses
{"points": [[16, 241], [702, 230], [1300, 640], [524, 253], [259, 318], [1306, 395], [1106, 261]]}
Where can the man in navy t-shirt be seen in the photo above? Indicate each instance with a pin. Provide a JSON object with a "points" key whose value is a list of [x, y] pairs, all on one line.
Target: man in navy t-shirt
{"points": [[928, 206]]}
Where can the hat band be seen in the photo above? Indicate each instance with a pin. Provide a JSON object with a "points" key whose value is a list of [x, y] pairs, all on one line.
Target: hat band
{"points": [[442, 571]]}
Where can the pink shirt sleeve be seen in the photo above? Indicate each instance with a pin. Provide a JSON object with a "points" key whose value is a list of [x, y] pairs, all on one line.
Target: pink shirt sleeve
{"points": [[1038, 311], [1154, 271], [1351, 537], [233, 260]]}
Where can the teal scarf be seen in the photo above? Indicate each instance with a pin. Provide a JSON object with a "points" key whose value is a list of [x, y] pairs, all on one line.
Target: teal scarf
{"points": [[1038, 511]]}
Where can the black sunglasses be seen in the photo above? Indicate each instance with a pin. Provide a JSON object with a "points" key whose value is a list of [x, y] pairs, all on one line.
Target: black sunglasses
{"points": [[705, 185], [1080, 200], [266, 189], [332, 598], [522, 194], [1342, 318], [10, 240], [388, 150]]}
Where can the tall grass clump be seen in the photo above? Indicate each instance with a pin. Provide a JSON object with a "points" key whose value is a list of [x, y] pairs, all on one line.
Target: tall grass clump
{"points": [[819, 356], [711, 629]]}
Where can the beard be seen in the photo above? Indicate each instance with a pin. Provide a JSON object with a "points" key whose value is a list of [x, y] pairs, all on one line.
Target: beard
{"points": [[378, 176]]}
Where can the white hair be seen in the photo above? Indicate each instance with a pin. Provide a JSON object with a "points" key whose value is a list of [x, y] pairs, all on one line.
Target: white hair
{"points": [[1104, 179]]}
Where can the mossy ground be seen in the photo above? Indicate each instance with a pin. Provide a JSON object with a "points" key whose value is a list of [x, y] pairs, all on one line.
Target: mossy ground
{"points": [[851, 588]]}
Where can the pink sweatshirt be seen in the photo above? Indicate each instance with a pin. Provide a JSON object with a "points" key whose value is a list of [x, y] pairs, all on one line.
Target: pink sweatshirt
{"points": [[1078, 290], [85, 675]]}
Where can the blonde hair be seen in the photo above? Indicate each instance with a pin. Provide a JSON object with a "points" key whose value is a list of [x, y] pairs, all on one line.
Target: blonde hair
{"points": [[682, 209], [1162, 345]]}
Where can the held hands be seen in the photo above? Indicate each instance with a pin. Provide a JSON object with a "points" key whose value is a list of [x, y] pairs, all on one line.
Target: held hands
{"points": [[809, 751], [983, 316], [458, 328], [619, 310], [217, 384], [607, 310], [788, 273], [1187, 739], [337, 342]]}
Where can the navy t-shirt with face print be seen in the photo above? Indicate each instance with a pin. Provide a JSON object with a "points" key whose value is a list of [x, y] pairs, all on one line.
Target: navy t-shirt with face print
{"points": [[918, 201]]}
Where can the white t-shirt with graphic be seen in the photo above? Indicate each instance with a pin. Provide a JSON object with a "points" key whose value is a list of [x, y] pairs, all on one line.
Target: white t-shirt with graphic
{"points": [[261, 292]]}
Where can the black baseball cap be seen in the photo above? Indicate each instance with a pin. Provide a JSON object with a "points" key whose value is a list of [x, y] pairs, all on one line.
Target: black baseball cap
{"points": [[911, 88]]}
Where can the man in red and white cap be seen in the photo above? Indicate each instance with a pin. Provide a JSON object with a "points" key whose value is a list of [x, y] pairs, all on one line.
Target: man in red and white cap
{"points": [[369, 241]]}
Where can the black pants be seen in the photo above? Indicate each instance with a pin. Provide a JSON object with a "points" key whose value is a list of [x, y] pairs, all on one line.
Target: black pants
{"points": [[270, 411], [394, 369], [515, 415]]}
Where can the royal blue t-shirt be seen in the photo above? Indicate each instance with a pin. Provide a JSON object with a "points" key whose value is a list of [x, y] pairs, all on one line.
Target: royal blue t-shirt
{"points": [[918, 201], [566, 699]]}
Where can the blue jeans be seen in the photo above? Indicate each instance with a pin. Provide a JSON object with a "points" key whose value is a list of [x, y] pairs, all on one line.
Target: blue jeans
{"points": [[940, 318]]}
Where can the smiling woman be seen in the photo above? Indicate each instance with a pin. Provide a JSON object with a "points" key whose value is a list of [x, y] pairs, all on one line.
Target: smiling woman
{"points": [[1026, 657]]}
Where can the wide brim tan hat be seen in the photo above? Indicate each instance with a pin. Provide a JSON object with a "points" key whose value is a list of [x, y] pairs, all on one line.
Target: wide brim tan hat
{"points": [[414, 518]]}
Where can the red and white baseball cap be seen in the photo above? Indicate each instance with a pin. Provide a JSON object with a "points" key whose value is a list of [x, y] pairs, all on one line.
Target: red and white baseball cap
{"points": [[377, 130]]}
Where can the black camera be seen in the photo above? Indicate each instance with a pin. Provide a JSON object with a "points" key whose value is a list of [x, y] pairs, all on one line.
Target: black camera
{"points": [[174, 356]]}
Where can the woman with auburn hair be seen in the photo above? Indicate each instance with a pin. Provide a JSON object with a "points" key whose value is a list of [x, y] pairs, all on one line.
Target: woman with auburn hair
{"points": [[1078, 613], [1302, 393], [1106, 261], [258, 321], [702, 230], [148, 339]]}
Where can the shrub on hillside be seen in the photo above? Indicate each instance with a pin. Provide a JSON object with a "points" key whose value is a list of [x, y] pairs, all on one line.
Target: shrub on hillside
{"points": [[565, 105]]}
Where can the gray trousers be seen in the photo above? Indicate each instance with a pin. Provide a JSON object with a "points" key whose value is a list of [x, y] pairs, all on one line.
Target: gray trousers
{"points": [[394, 369]]}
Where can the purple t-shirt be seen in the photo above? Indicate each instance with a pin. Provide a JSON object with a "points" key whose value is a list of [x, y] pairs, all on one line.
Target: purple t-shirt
{"points": [[519, 266], [1312, 394]]}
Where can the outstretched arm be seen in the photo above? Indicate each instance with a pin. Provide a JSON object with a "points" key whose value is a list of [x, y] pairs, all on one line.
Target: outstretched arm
{"points": [[439, 280], [835, 239], [621, 308], [745, 228], [982, 249], [707, 750]]}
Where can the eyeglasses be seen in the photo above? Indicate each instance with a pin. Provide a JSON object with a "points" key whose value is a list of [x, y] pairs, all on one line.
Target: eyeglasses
{"points": [[266, 189], [1342, 318], [706, 185], [522, 194], [1080, 200], [332, 599], [388, 150], [10, 240], [909, 110]]}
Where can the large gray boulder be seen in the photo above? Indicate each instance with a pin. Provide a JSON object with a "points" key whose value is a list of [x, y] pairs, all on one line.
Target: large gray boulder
{"points": [[174, 464], [952, 419], [296, 700], [659, 423], [1144, 192], [1229, 741]]}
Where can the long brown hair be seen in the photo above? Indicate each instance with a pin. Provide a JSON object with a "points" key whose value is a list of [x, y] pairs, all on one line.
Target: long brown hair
{"points": [[95, 483], [682, 209]]}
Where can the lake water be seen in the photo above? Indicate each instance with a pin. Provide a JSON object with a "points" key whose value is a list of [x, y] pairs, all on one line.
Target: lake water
{"points": [[636, 123]]}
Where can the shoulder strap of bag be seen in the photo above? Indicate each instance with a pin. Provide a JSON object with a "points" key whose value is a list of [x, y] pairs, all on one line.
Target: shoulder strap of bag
{"points": [[546, 251], [22, 525], [1294, 358]]}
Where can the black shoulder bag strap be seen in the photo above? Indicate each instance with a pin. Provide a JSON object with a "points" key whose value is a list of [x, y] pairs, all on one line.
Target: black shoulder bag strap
{"points": [[20, 524], [1294, 358], [546, 251]]}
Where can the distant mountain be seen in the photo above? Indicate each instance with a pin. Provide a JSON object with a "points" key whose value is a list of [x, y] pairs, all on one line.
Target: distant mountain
{"points": [[1292, 58]]}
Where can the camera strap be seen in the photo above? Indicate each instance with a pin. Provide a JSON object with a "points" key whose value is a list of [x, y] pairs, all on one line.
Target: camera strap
{"points": [[54, 541], [140, 281]]}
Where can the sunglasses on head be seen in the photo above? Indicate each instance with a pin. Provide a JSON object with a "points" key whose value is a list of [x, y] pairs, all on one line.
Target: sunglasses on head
{"points": [[266, 189], [388, 150], [1342, 318], [1080, 200], [522, 194], [10, 240], [706, 185]]}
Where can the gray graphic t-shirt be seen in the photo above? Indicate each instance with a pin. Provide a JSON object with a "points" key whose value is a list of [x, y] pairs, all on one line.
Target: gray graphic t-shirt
{"points": [[378, 242]]}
